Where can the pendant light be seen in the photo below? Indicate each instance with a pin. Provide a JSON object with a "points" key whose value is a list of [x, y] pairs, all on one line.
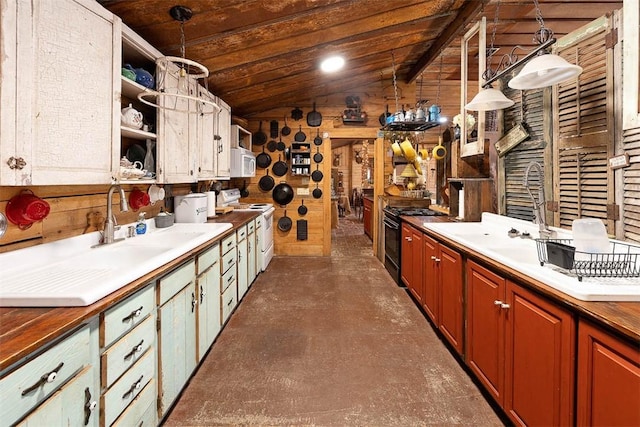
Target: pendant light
{"points": [[488, 98], [546, 69], [174, 74]]}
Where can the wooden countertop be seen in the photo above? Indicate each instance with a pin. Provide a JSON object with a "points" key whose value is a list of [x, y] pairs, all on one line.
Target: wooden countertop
{"points": [[25, 329], [622, 317]]}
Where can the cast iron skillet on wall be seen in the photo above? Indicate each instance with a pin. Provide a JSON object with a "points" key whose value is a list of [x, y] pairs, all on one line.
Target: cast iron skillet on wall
{"points": [[300, 136], [284, 223], [318, 156], [317, 192], [260, 137], [263, 160], [302, 209], [317, 174], [286, 130], [314, 118], [266, 183], [318, 139], [280, 167]]}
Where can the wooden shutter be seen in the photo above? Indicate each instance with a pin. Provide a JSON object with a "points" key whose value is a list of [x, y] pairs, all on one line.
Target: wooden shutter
{"points": [[584, 128], [528, 110], [631, 176]]}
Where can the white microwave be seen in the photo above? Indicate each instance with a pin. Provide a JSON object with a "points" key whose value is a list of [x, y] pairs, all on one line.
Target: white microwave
{"points": [[243, 163]]}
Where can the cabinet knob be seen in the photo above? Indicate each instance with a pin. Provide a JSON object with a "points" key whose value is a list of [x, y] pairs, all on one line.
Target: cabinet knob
{"points": [[497, 302], [505, 306], [408, 239], [133, 315], [16, 162]]}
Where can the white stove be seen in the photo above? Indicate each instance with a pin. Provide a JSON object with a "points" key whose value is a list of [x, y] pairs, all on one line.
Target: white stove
{"points": [[231, 197]]}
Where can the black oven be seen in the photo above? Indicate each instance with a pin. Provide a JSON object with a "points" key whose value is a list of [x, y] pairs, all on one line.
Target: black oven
{"points": [[393, 236]]}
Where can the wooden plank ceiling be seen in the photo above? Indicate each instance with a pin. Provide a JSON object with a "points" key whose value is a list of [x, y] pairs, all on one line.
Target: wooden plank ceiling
{"points": [[264, 54]]}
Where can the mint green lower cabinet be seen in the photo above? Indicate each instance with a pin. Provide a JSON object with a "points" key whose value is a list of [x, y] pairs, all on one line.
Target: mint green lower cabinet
{"points": [[142, 411], [177, 333], [243, 266], [75, 404], [208, 286]]}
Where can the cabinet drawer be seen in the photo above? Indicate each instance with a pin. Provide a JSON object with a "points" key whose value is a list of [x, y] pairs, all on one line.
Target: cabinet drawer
{"points": [[126, 315], [142, 411], [208, 258], [228, 279], [228, 243], [172, 283], [124, 391], [251, 227], [127, 351], [228, 303], [25, 388], [228, 261], [241, 233], [75, 404]]}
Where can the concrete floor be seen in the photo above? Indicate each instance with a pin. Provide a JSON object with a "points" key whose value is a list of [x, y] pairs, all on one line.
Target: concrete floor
{"points": [[330, 341]]}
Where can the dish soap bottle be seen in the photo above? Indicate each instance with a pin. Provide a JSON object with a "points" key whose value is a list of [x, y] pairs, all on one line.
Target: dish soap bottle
{"points": [[141, 226]]}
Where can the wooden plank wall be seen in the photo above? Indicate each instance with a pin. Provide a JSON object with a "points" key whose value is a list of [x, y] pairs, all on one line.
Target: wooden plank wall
{"points": [[75, 210]]}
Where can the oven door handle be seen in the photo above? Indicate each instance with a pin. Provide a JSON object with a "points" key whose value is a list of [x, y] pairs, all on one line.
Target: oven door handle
{"points": [[391, 224]]}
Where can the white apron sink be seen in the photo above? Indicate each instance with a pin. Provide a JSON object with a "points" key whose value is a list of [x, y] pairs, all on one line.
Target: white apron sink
{"points": [[71, 272]]}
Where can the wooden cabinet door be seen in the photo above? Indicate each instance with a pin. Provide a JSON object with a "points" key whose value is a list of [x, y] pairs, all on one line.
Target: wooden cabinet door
{"points": [[366, 217], [206, 144], [177, 336], [251, 258], [608, 379], [411, 260], [451, 292], [60, 84], [485, 328], [539, 355], [243, 263], [208, 286], [430, 278], [223, 138], [177, 150]]}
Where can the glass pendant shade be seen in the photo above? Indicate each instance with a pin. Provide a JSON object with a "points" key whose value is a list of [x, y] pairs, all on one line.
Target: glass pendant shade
{"points": [[544, 70], [489, 99]]}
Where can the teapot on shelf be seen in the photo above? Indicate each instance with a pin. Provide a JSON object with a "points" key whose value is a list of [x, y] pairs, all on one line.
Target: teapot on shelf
{"points": [[131, 117]]}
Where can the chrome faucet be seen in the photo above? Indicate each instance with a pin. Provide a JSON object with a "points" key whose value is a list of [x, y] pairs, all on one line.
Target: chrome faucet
{"points": [[539, 215], [110, 223]]}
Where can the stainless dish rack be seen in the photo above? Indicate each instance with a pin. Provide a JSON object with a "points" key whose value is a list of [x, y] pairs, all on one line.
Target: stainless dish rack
{"points": [[622, 261]]}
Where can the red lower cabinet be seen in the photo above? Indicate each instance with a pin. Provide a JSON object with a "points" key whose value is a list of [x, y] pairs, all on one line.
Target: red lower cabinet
{"points": [[443, 290], [411, 260], [521, 347], [608, 379]]}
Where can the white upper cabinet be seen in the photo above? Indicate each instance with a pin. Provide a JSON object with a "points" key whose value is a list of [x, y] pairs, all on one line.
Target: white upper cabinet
{"points": [[223, 139], [59, 81], [207, 127]]}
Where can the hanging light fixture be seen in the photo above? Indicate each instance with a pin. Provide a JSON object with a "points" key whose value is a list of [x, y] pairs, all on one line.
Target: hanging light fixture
{"points": [[174, 74], [546, 69], [488, 98]]}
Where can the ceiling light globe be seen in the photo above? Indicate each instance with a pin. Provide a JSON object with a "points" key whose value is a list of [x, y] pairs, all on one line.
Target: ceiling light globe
{"points": [[332, 64], [488, 100]]}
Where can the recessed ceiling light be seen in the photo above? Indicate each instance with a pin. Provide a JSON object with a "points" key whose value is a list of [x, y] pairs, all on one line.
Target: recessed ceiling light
{"points": [[332, 63]]}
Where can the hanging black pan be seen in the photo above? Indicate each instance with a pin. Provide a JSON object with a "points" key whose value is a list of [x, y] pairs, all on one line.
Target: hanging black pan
{"points": [[317, 192], [280, 167], [260, 137], [286, 130], [280, 145], [263, 160], [273, 128], [318, 156], [317, 174], [300, 136], [272, 145], [302, 209], [318, 139], [266, 183], [314, 118], [282, 194], [284, 223]]}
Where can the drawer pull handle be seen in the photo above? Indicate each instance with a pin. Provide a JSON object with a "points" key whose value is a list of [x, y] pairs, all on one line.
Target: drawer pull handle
{"points": [[136, 349], [239, 256], [505, 306], [135, 386], [230, 279], [49, 377], [194, 302], [497, 302], [202, 294], [133, 315], [89, 405], [230, 302], [230, 261]]}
